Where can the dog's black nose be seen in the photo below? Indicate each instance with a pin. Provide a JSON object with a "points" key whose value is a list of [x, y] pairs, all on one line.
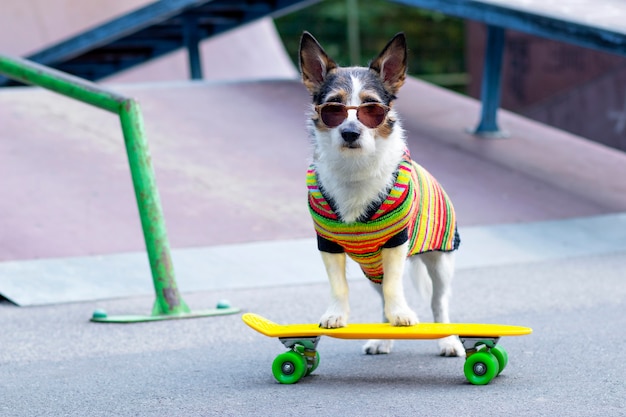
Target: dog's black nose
{"points": [[350, 135]]}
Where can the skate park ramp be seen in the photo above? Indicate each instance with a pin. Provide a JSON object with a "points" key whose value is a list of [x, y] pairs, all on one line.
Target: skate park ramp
{"points": [[230, 159], [230, 154], [253, 50]]}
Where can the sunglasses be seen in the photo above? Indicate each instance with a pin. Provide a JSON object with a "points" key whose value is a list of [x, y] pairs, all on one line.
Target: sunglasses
{"points": [[371, 115]]}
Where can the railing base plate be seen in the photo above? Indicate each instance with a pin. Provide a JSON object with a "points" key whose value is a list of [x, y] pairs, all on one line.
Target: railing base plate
{"points": [[100, 316]]}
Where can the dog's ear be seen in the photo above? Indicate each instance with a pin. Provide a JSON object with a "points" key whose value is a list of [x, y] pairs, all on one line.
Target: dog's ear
{"points": [[390, 65], [314, 63]]}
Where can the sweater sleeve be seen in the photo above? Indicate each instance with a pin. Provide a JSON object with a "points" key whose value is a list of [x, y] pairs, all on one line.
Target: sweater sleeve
{"points": [[398, 239], [325, 245]]}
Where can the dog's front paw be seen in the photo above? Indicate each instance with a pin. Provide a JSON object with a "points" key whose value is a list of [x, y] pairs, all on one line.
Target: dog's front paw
{"points": [[377, 346], [402, 317], [451, 346], [333, 320]]}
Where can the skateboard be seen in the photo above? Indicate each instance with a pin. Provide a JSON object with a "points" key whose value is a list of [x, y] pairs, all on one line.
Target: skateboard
{"points": [[485, 358]]}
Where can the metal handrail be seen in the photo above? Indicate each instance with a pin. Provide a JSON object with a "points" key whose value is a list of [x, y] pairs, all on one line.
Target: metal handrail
{"points": [[168, 299]]}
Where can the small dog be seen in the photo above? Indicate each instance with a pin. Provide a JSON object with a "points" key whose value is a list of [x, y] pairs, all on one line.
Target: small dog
{"points": [[367, 197]]}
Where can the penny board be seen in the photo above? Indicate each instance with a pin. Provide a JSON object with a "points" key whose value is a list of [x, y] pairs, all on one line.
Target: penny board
{"points": [[383, 330]]}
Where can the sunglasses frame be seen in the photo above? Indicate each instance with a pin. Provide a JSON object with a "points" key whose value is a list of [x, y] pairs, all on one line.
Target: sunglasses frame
{"points": [[319, 108]]}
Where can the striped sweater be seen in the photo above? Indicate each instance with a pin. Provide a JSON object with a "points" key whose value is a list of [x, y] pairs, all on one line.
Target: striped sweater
{"points": [[416, 209]]}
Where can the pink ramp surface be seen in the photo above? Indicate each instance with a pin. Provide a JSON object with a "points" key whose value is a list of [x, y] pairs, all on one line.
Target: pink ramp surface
{"points": [[230, 161]]}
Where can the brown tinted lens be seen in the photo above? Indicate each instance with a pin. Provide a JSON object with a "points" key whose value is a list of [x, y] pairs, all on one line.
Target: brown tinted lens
{"points": [[371, 115], [333, 114]]}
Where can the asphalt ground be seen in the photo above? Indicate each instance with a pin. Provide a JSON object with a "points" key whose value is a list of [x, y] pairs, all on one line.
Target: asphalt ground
{"points": [[54, 362]]}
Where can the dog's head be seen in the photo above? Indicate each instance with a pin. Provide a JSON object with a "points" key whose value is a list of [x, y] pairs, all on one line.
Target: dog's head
{"points": [[353, 105]]}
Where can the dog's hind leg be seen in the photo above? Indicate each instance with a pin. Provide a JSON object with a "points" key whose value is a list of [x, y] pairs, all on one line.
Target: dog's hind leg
{"points": [[440, 267], [378, 346], [338, 310]]}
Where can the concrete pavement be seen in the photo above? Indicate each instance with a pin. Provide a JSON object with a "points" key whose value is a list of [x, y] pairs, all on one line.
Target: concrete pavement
{"points": [[54, 362], [291, 262]]}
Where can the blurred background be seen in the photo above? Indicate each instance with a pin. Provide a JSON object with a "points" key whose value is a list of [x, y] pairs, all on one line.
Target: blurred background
{"points": [[579, 90], [353, 32]]}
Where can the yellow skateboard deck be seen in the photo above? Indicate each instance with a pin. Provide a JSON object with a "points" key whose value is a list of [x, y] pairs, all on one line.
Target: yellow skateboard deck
{"points": [[485, 358], [383, 330]]}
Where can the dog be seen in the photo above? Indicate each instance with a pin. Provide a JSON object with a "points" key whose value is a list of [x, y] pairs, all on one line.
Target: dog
{"points": [[368, 199]]}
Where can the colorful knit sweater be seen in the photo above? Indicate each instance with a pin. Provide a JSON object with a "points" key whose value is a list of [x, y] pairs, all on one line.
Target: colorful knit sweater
{"points": [[416, 209]]}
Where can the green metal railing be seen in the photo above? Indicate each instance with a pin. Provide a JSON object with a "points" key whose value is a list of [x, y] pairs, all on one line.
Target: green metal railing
{"points": [[169, 303]]}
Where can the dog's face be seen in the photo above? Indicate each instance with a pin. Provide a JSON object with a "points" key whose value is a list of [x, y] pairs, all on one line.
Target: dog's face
{"points": [[352, 105]]}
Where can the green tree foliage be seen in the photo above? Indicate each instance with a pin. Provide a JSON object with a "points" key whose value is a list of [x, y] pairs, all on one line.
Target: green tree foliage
{"points": [[436, 42]]}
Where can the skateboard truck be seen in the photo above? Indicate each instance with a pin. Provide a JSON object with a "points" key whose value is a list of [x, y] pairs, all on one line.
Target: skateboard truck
{"points": [[474, 344], [301, 360], [484, 359], [307, 342]]}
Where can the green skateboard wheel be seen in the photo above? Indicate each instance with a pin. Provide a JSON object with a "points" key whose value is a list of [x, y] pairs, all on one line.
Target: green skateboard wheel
{"points": [[501, 356], [289, 367], [481, 367]]}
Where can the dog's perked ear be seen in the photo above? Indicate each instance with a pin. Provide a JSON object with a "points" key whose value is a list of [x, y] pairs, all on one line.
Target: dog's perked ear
{"points": [[390, 65], [314, 63]]}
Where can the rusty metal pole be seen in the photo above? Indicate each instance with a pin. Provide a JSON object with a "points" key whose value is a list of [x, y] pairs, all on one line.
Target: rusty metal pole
{"points": [[168, 299]]}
